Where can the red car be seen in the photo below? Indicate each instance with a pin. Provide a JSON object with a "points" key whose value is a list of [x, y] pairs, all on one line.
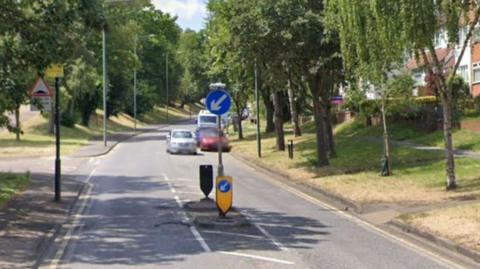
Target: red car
{"points": [[208, 140]]}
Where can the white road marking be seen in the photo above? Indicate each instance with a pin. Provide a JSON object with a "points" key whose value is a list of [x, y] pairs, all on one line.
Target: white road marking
{"points": [[190, 192], [263, 231], [185, 218], [236, 234], [422, 251], [257, 257], [71, 228]]}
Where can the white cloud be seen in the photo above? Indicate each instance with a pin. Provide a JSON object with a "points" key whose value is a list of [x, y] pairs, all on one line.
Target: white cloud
{"points": [[190, 12]]}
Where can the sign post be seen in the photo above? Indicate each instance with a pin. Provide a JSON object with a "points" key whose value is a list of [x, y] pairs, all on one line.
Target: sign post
{"points": [[56, 71], [224, 194], [219, 102], [41, 95]]}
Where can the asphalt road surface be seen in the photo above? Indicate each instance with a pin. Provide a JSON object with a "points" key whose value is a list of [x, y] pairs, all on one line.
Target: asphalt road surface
{"points": [[134, 218]]}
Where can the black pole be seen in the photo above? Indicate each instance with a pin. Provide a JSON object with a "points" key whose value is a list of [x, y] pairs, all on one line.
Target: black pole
{"points": [[57, 140]]}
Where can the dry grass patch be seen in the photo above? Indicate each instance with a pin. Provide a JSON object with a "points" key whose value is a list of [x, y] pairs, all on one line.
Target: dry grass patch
{"points": [[460, 224]]}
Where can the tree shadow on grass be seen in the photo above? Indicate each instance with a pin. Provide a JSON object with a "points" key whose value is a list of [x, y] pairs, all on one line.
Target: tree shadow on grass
{"points": [[356, 156]]}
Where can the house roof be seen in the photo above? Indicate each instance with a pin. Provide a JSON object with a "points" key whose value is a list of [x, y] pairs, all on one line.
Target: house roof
{"points": [[444, 55]]}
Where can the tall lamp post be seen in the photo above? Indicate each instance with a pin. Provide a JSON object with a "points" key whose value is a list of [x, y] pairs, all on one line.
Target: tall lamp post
{"points": [[166, 82], [135, 90], [104, 71], [257, 101]]}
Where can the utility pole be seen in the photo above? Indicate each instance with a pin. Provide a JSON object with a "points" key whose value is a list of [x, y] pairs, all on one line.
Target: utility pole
{"points": [[257, 101], [166, 79], [104, 53], [135, 90]]}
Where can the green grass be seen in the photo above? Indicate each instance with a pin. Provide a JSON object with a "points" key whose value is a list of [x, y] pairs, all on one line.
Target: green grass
{"points": [[419, 175], [36, 140], [462, 139], [10, 184]]}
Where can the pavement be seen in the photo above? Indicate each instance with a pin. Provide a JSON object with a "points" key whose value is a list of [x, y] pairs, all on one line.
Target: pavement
{"points": [[133, 214]]}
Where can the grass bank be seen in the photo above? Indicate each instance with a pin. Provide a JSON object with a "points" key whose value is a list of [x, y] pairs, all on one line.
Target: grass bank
{"points": [[419, 176], [36, 140], [10, 184], [460, 224], [462, 139]]}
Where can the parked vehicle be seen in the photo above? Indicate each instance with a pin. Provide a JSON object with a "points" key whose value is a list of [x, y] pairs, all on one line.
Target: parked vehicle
{"points": [[181, 141], [208, 140]]}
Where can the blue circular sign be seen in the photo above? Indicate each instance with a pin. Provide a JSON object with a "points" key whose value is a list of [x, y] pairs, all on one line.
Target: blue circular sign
{"points": [[224, 186], [218, 102]]}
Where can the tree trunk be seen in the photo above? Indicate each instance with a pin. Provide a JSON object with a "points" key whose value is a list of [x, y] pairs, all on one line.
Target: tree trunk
{"points": [[17, 123], [386, 141], [280, 135], [446, 98], [447, 135], [329, 132], [322, 158], [269, 111], [293, 109], [239, 123]]}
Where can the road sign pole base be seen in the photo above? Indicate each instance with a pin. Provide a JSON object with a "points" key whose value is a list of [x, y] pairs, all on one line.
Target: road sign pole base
{"points": [[57, 181], [220, 170]]}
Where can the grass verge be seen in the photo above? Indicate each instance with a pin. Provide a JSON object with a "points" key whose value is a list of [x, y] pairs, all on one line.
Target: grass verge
{"points": [[419, 176], [462, 139], [37, 142], [461, 224], [10, 184]]}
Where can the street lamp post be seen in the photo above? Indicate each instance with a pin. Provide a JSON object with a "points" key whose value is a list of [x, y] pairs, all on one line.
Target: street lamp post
{"points": [[104, 59], [135, 90], [166, 83], [104, 71], [257, 101]]}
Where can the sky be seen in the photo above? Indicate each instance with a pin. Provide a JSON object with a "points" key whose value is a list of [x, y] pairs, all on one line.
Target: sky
{"points": [[191, 13]]}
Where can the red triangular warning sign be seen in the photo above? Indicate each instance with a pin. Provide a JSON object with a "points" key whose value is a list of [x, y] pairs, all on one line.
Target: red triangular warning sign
{"points": [[40, 89]]}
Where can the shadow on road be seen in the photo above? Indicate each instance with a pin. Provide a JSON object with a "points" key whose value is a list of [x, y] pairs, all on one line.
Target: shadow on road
{"points": [[136, 221]]}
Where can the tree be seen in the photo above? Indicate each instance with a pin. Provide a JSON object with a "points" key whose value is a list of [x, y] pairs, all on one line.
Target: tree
{"points": [[411, 25], [372, 49], [317, 53], [194, 83]]}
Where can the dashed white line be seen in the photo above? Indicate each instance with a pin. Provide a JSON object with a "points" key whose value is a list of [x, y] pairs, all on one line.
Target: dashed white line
{"points": [[193, 229], [257, 257], [237, 234]]}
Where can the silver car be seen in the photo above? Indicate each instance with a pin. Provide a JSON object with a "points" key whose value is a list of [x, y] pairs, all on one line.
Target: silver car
{"points": [[181, 141]]}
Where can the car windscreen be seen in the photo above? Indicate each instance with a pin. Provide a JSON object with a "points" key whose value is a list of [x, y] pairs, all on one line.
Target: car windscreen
{"points": [[182, 134], [208, 119]]}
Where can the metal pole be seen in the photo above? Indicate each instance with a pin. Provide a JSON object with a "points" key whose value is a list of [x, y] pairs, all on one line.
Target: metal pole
{"points": [[135, 91], [257, 100], [219, 146], [166, 72], [57, 141], [104, 52]]}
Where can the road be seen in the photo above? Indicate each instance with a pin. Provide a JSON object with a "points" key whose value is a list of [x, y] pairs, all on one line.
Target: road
{"points": [[134, 218]]}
